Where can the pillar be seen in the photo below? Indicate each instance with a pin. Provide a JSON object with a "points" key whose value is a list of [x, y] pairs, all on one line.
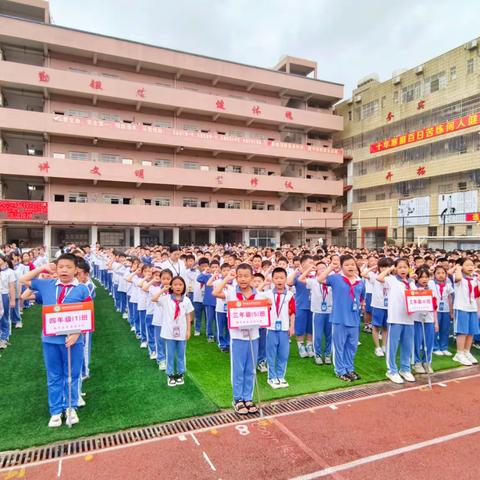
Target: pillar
{"points": [[136, 236], [276, 240], [161, 236], [212, 235], [246, 236], [93, 235], [176, 236], [47, 240], [128, 242]]}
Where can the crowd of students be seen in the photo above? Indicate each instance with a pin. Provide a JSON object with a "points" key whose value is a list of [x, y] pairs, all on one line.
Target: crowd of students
{"points": [[317, 296]]}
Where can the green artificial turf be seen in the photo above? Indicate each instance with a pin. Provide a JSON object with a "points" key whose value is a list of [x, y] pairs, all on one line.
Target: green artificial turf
{"points": [[126, 389]]}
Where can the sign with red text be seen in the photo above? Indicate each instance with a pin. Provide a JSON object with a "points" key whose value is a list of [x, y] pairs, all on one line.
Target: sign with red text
{"points": [[23, 210], [248, 313], [65, 318], [419, 301], [425, 133], [472, 217]]}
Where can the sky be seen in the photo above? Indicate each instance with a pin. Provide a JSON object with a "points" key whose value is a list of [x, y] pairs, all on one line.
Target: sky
{"points": [[349, 39]]}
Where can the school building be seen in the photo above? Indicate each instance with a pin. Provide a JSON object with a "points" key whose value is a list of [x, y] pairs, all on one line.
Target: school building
{"points": [[412, 150], [109, 140]]}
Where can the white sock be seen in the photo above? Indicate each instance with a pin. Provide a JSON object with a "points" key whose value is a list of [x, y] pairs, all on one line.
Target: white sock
{"points": [[300, 344]]}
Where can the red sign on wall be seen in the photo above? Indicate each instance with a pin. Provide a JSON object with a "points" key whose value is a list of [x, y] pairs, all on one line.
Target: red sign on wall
{"points": [[23, 210]]}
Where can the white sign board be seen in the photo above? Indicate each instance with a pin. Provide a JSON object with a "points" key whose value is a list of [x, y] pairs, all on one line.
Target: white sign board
{"points": [[413, 211], [457, 204]]}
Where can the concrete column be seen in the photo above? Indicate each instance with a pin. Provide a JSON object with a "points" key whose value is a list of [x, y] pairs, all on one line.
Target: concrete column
{"points": [[93, 235], [246, 236], [136, 236], [161, 236], [193, 236], [176, 236], [277, 238], [127, 237], [47, 240], [212, 235]]}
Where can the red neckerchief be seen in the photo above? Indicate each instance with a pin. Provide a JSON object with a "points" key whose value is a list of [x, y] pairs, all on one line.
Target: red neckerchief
{"points": [[351, 286], [63, 293], [441, 286], [177, 307], [241, 296], [277, 303], [324, 291], [470, 288], [400, 279]]}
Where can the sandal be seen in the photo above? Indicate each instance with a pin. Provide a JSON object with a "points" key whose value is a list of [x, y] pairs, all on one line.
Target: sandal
{"points": [[251, 407], [240, 407]]}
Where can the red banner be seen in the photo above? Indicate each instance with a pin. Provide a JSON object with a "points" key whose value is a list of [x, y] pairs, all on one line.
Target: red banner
{"points": [[429, 132], [23, 210], [472, 217]]}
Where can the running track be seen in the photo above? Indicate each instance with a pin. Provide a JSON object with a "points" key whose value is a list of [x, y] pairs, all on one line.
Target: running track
{"points": [[410, 433]]}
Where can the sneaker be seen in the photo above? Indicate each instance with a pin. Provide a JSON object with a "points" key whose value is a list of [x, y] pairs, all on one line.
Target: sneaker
{"points": [[3, 344], [132, 329], [345, 378], [179, 379], [318, 360], [438, 352], [274, 383], [262, 366], [407, 376], [55, 421], [462, 359], [418, 368], [125, 316], [162, 365], [367, 328], [144, 345], [153, 356], [211, 339], [428, 368], [474, 345], [19, 325], [384, 349], [196, 334], [471, 358], [395, 377], [379, 352], [138, 336], [354, 376], [302, 351], [328, 360], [81, 402], [309, 350], [71, 417], [171, 381], [359, 343], [447, 353], [283, 383]]}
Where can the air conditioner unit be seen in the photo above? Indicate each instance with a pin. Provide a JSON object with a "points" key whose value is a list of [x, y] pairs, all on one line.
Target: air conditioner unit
{"points": [[462, 186], [358, 98], [396, 80], [419, 70], [349, 101], [471, 45]]}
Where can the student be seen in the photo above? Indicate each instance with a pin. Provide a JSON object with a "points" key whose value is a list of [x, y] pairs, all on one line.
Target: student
{"points": [[442, 290], [347, 291], [425, 325], [282, 318], [303, 313], [242, 363], [199, 294], [66, 289], [7, 290], [321, 306], [191, 274], [174, 264], [209, 301], [223, 336], [177, 319], [379, 305], [258, 281], [151, 287], [15, 313], [400, 323], [372, 268], [466, 310]]}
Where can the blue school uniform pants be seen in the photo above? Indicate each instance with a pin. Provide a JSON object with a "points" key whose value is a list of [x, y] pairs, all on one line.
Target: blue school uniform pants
{"points": [[131, 313], [262, 345], [122, 302], [56, 363], [159, 344], [150, 333], [5, 319], [142, 325], [243, 368], [399, 336], [423, 350], [322, 332], [15, 316], [87, 353], [278, 350], [210, 315], [198, 312], [175, 349], [345, 343], [223, 334]]}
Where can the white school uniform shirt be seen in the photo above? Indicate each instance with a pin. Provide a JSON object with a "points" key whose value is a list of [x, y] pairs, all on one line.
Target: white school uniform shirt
{"points": [[116, 277], [122, 281], [176, 268], [134, 290], [237, 333], [192, 274], [442, 301], [397, 306], [369, 282], [141, 296], [464, 300], [319, 294], [157, 306], [221, 305], [40, 260], [170, 324], [380, 294], [284, 309], [198, 289], [7, 276]]}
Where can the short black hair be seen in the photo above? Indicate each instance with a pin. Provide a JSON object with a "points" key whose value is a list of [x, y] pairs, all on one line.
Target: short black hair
{"points": [[83, 265], [279, 270], [68, 256]]}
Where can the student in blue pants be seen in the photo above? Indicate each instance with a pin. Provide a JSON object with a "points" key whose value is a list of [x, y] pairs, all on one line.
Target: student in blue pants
{"points": [[223, 336], [199, 295], [7, 290], [209, 301]]}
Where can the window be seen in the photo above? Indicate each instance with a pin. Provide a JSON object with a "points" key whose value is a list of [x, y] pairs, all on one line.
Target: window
{"points": [[190, 127], [161, 202], [234, 169], [109, 75], [410, 234], [147, 201], [395, 96], [190, 202], [110, 158], [191, 165], [162, 163], [432, 231], [380, 196], [146, 163], [233, 204], [469, 230], [259, 171], [349, 115], [116, 200], [434, 83], [78, 155], [411, 92], [453, 72], [78, 113], [394, 233], [235, 133], [74, 197], [58, 198], [127, 161], [60, 156], [110, 117], [451, 231], [256, 205], [162, 124], [470, 66], [78, 70]]}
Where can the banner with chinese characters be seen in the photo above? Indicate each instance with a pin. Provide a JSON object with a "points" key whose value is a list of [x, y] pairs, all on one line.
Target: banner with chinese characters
{"points": [[65, 318], [456, 205], [248, 313], [23, 210], [472, 217], [419, 301], [413, 211], [425, 133]]}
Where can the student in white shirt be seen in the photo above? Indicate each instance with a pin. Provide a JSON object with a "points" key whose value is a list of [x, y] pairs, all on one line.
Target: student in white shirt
{"points": [[174, 264], [7, 290]]}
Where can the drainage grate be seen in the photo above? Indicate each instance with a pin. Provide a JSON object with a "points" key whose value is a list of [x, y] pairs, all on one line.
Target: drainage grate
{"points": [[64, 449]]}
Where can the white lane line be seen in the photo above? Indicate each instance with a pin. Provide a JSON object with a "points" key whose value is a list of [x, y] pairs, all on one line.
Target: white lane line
{"points": [[182, 438], [195, 439], [442, 385], [333, 407], [391, 453], [59, 471], [207, 459]]}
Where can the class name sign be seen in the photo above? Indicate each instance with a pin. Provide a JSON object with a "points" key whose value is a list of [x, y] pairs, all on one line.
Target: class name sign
{"points": [[248, 313], [66, 318]]}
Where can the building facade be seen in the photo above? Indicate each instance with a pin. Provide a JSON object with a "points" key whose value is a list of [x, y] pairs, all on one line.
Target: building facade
{"points": [[109, 140], [412, 150]]}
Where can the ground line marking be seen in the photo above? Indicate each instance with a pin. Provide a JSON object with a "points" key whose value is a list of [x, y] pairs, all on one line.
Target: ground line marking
{"points": [[207, 459], [195, 439], [59, 471], [387, 454]]}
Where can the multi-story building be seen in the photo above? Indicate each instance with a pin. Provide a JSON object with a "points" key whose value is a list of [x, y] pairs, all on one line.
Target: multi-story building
{"points": [[109, 140], [412, 150]]}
